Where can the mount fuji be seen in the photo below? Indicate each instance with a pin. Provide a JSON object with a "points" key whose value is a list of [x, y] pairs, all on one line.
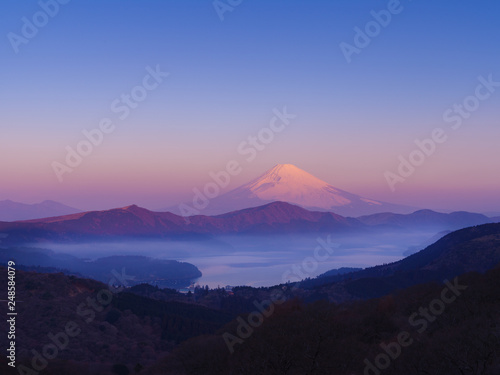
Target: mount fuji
{"points": [[288, 183]]}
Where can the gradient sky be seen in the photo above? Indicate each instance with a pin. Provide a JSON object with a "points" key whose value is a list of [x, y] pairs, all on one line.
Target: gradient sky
{"points": [[226, 77]]}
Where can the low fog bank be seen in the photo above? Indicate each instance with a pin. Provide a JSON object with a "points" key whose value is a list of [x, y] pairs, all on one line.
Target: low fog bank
{"points": [[263, 260]]}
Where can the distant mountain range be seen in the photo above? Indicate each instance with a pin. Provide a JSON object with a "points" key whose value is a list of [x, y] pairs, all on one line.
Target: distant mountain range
{"points": [[427, 219], [12, 211], [277, 217], [288, 183], [282, 183]]}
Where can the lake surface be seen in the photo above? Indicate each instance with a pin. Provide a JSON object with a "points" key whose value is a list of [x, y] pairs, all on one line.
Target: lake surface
{"points": [[263, 260]]}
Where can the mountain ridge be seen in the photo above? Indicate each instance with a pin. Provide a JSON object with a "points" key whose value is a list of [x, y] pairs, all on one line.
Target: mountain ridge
{"points": [[427, 218], [130, 221], [275, 217], [15, 211]]}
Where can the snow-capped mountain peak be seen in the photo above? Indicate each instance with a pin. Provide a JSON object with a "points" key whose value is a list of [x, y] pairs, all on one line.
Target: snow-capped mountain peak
{"points": [[286, 182], [287, 175]]}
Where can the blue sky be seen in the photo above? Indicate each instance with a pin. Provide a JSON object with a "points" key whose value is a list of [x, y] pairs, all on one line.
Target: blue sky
{"points": [[226, 77]]}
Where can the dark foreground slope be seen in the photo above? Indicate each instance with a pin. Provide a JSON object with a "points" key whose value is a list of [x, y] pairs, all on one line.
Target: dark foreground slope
{"points": [[135, 335], [113, 327], [461, 336]]}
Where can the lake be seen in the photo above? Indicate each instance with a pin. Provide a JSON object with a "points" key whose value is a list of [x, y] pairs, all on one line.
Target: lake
{"points": [[263, 260]]}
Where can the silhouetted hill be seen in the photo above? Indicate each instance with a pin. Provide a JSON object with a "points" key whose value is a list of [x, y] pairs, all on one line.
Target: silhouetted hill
{"points": [[461, 337], [166, 273], [115, 326], [474, 249], [339, 271]]}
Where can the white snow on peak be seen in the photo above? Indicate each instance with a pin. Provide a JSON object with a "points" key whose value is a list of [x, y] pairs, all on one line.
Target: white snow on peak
{"points": [[286, 182], [370, 201], [287, 175]]}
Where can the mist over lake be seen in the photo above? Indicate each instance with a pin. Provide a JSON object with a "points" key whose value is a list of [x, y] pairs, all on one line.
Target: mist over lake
{"points": [[260, 260]]}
